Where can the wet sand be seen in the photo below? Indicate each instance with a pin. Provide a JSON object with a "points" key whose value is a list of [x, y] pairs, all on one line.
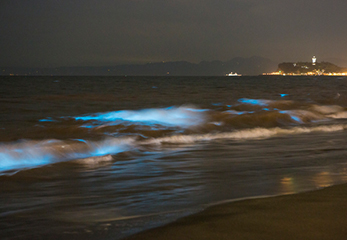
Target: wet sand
{"points": [[320, 214]]}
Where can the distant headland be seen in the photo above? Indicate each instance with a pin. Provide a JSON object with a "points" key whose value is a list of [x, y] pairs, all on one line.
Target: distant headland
{"points": [[252, 66], [312, 68], [246, 66]]}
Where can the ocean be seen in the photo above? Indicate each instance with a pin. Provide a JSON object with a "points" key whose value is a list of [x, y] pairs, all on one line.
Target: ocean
{"points": [[106, 157]]}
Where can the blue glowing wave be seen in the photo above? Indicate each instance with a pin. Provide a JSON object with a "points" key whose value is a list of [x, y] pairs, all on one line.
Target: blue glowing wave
{"points": [[238, 112], [258, 102], [302, 116], [30, 154], [292, 116], [172, 116], [14, 156]]}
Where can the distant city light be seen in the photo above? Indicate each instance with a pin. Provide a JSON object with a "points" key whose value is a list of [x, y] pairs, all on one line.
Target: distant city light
{"points": [[314, 60], [313, 71]]}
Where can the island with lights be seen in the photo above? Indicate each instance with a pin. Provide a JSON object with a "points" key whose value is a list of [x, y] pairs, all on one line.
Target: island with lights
{"points": [[312, 68]]}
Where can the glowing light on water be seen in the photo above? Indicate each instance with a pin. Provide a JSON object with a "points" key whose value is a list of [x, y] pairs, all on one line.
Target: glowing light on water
{"points": [[172, 116], [288, 185], [109, 146], [292, 116], [259, 102], [30, 154], [197, 110], [323, 179], [23, 155], [46, 120], [237, 112], [81, 140]]}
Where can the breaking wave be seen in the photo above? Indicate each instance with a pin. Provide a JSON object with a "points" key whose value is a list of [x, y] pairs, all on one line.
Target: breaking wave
{"points": [[171, 116], [29, 154], [255, 133], [128, 130]]}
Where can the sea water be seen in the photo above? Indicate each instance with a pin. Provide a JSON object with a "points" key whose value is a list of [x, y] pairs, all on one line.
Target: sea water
{"points": [[105, 157]]}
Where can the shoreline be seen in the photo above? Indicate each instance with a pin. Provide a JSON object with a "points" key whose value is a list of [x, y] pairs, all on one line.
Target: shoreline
{"points": [[316, 214]]}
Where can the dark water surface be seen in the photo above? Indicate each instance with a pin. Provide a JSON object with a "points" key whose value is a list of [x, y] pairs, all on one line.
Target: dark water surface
{"points": [[104, 157]]}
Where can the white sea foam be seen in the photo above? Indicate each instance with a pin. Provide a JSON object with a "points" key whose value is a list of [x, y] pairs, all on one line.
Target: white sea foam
{"points": [[92, 161], [338, 115], [331, 111], [327, 109], [254, 133]]}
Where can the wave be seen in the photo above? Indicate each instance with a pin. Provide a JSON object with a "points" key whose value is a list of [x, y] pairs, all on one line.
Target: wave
{"points": [[171, 116], [246, 113], [248, 102], [339, 115], [327, 109], [127, 130], [255, 133], [29, 154]]}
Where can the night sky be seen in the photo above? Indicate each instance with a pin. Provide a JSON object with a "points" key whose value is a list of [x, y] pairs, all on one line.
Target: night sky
{"points": [[52, 33]]}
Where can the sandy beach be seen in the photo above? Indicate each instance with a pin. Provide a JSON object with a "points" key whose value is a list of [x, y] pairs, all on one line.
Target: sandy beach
{"points": [[319, 214]]}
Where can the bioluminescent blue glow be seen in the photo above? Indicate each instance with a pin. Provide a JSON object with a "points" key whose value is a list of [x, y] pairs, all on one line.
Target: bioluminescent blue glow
{"points": [[292, 116], [295, 118], [13, 156], [197, 110], [30, 154], [46, 120], [110, 146], [237, 112], [217, 104], [283, 94], [172, 116], [81, 140], [221, 104], [259, 102]]}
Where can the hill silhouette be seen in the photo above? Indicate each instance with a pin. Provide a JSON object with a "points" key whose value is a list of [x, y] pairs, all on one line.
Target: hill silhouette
{"points": [[246, 66]]}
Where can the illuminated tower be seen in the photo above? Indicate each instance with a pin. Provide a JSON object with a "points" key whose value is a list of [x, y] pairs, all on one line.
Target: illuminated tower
{"points": [[314, 59]]}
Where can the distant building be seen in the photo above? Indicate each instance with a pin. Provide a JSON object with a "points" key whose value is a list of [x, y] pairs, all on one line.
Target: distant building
{"points": [[314, 60]]}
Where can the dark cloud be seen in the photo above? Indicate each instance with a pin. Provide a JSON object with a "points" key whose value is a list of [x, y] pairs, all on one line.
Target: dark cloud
{"points": [[76, 32]]}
